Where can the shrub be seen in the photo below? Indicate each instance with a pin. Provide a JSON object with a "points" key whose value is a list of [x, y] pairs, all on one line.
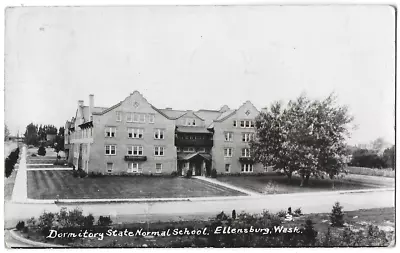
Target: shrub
{"points": [[9, 167], [88, 221], [82, 173], [213, 173], [174, 173], [281, 213], [104, 221], [34, 155], [298, 211], [75, 173], [309, 232], [336, 215], [31, 222], [189, 173], [233, 214], [20, 225], [46, 221], [96, 174], [42, 151]]}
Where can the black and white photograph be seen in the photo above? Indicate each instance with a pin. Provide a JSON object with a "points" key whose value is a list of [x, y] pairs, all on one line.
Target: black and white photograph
{"points": [[199, 126]]}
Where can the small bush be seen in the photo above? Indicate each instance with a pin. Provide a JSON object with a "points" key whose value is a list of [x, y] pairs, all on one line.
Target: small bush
{"points": [[96, 174], [234, 214], [337, 215], [298, 211], [309, 232], [25, 230], [189, 173], [281, 213], [42, 151], [31, 222], [104, 221], [88, 221], [75, 173], [46, 221], [214, 173], [174, 173], [34, 155], [20, 225], [82, 173]]}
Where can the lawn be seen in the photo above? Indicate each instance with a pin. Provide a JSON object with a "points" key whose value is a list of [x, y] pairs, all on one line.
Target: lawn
{"points": [[273, 183], [49, 184]]}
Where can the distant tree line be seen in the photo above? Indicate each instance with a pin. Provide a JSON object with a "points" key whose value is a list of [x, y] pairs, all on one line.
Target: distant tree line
{"points": [[36, 135], [370, 158]]}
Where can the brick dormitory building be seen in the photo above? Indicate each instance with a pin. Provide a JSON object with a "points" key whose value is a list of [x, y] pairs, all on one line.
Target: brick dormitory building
{"points": [[134, 136]]}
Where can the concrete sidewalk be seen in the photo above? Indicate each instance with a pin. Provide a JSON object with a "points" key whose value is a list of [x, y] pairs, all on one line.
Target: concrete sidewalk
{"points": [[215, 181], [20, 191]]}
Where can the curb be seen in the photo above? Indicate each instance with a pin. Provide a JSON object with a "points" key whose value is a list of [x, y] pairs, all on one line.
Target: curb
{"points": [[17, 237]]}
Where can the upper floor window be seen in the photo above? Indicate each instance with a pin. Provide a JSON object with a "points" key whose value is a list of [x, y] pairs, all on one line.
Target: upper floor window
{"points": [[110, 131], [159, 134], [189, 149], [135, 150], [235, 123], [190, 122], [246, 137], [202, 150], [159, 151], [139, 117], [228, 152], [228, 136], [118, 116], [151, 118], [246, 123], [136, 133], [129, 117], [245, 152], [111, 149]]}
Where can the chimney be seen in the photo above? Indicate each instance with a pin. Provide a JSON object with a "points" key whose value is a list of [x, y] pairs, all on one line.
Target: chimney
{"points": [[91, 105], [80, 102]]}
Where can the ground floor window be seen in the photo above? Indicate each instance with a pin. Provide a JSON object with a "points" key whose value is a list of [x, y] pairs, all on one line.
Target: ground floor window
{"points": [[227, 168], [158, 167], [109, 167], [134, 167], [247, 167]]}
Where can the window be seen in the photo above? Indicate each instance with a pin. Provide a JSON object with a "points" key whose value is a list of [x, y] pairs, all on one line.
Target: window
{"points": [[202, 150], [228, 152], [246, 123], [135, 150], [136, 133], [235, 123], [110, 131], [227, 168], [228, 136], [151, 118], [247, 167], [159, 151], [129, 117], [139, 117], [190, 122], [111, 149], [118, 116], [189, 149], [246, 137], [245, 152], [109, 167], [158, 134], [133, 167], [158, 167]]}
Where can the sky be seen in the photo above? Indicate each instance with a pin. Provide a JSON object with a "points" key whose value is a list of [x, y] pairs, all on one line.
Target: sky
{"points": [[200, 57]]}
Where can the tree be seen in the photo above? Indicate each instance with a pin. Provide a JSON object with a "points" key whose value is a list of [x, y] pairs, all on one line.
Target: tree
{"points": [[307, 137], [6, 132], [31, 135], [389, 155], [42, 151]]}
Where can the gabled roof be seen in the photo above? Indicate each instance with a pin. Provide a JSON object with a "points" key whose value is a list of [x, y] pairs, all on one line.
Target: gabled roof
{"points": [[208, 115], [192, 129], [172, 114], [225, 115]]}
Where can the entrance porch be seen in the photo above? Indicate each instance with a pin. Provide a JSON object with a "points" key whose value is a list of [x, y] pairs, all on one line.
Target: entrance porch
{"points": [[199, 163]]}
